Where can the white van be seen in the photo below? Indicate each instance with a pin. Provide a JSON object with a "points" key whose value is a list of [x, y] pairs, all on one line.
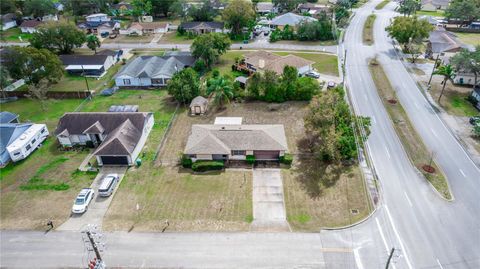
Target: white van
{"points": [[108, 185]]}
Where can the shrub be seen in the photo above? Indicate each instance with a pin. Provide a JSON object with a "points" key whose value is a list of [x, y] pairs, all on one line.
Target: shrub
{"points": [[286, 159], [472, 100], [186, 162], [202, 166], [250, 159]]}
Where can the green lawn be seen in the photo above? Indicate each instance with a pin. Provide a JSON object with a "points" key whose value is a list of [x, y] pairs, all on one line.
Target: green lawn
{"points": [[77, 83], [173, 38], [13, 34], [382, 4], [324, 63], [226, 61], [469, 38], [438, 13]]}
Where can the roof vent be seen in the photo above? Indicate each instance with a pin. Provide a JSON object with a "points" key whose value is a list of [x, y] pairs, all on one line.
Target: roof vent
{"points": [[223, 127], [23, 137]]}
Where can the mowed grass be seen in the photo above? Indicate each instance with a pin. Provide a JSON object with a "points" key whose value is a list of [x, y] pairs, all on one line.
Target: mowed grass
{"points": [[411, 141], [324, 63], [318, 197], [382, 4], [368, 30], [437, 13], [454, 99], [77, 83], [13, 34], [469, 38], [129, 39], [174, 38], [49, 166]]}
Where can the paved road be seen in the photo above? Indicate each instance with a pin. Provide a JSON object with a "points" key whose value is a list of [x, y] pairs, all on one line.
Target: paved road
{"points": [[430, 232], [268, 205]]}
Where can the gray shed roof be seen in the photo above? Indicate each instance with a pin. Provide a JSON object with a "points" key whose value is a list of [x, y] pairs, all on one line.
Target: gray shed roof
{"points": [[156, 66], [199, 101], [291, 19], [222, 139]]}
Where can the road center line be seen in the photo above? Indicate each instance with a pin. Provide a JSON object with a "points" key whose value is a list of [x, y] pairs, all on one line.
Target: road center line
{"points": [[435, 134], [439, 264], [382, 235], [408, 199], [461, 171], [365, 95], [388, 153], [398, 237]]}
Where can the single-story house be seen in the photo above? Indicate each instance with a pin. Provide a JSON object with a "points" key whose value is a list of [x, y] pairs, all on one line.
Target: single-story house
{"points": [[198, 106], [203, 27], [262, 60], [30, 26], [291, 19], [443, 42], [8, 117], [50, 17], [98, 17], [433, 5], [18, 140], [59, 6], [89, 65], [8, 20], [264, 8], [141, 28], [465, 78], [118, 136], [225, 142], [152, 71], [122, 7], [313, 9], [476, 95], [242, 80], [98, 27]]}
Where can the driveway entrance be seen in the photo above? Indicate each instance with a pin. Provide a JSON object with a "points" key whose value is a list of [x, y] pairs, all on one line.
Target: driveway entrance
{"points": [[268, 205]]}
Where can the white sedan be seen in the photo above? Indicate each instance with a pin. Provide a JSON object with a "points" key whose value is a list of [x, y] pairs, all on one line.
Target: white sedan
{"points": [[83, 200]]}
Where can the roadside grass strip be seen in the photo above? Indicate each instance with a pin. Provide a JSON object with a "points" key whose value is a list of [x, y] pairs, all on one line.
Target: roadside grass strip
{"points": [[413, 144], [368, 30], [382, 4]]}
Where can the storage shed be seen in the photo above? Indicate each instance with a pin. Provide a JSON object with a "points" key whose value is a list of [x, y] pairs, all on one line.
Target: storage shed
{"points": [[198, 106]]}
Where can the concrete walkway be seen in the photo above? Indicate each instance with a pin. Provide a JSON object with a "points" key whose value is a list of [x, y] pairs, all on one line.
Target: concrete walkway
{"points": [[98, 207], [268, 205]]}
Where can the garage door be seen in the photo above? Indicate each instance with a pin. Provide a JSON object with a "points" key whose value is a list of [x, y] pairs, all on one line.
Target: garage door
{"points": [[266, 155], [114, 160]]}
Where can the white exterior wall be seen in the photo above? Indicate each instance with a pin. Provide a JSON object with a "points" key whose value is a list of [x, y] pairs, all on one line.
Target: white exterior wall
{"points": [[79, 139], [9, 25], [429, 7], [29, 30], [134, 82], [143, 139], [304, 69], [64, 141], [109, 62], [468, 79], [202, 157], [99, 18]]}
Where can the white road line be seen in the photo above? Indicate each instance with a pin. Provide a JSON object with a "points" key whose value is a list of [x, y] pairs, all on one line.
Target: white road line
{"points": [[435, 134], [404, 250], [461, 171], [358, 261], [439, 264], [365, 95], [373, 119], [416, 105], [382, 235], [408, 199], [388, 153]]}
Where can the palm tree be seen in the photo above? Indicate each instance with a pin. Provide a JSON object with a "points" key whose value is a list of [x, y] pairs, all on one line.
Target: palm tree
{"points": [[448, 74], [93, 43], [221, 90]]}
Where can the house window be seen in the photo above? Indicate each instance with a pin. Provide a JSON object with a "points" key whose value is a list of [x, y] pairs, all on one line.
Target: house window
{"points": [[16, 153], [126, 82], [33, 141], [42, 131], [238, 152], [157, 81], [28, 147]]}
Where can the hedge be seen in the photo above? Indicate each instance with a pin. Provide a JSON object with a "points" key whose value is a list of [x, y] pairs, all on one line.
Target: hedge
{"points": [[202, 166], [250, 159], [286, 159], [186, 162]]}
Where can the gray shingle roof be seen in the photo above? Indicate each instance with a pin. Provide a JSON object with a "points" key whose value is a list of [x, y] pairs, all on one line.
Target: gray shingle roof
{"points": [[221, 139], [199, 101], [155, 66], [290, 19], [83, 59], [121, 141], [202, 25], [443, 41]]}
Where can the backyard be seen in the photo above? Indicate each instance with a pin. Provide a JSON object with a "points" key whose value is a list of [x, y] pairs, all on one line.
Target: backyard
{"points": [[14, 35], [469, 38], [44, 185], [454, 99]]}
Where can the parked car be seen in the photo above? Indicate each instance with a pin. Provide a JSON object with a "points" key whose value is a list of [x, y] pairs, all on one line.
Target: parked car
{"points": [[331, 85], [108, 185], [474, 120], [83, 200], [112, 36], [313, 74], [104, 34]]}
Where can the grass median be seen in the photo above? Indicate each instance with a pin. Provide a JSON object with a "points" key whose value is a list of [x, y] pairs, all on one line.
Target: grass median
{"points": [[368, 30], [412, 142], [382, 4]]}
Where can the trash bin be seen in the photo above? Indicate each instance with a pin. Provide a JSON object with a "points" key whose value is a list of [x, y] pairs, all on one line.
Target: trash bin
{"points": [[138, 162]]}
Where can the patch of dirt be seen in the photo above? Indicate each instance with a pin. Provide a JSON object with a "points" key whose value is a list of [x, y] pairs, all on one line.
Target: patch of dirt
{"points": [[392, 101], [429, 169]]}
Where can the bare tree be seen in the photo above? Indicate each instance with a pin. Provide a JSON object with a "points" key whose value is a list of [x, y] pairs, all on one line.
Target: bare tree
{"points": [[39, 91]]}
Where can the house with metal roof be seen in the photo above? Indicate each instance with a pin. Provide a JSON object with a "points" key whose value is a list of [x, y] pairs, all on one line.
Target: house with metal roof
{"points": [[152, 71], [8, 20], [95, 65], [291, 19], [117, 136]]}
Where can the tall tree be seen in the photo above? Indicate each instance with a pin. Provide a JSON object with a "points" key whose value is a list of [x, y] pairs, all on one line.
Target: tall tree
{"points": [[179, 8], [162, 6], [4, 80], [39, 91], [203, 13], [468, 61], [286, 5], [7, 6], [238, 14], [93, 43], [33, 64], [78, 7], [184, 86], [409, 7], [61, 37], [102, 5], [463, 10], [448, 74], [288, 81], [407, 29], [141, 8], [221, 90], [39, 8], [209, 47]]}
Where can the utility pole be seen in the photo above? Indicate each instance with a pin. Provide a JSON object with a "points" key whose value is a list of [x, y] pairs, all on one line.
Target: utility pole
{"points": [[92, 240], [389, 258], [434, 66], [85, 77], [344, 67]]}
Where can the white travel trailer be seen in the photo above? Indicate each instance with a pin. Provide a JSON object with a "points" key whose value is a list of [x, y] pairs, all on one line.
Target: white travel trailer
{"points": [[27, 142]]}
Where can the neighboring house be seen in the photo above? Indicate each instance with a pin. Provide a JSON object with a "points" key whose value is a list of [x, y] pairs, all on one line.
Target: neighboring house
{"points": [[98, 27], [476, 95], [8, 117], [18, 140], [198, 106], [30, 26], [465, 78], [203, 27], [443, 42], [291, 19], [152, 71], [50, 17], [118, 136], [264, 8], [123, 108], [141, 28], [312, 9], [262, 60], [89, 65], [242, 80], [8, 20], [99, 17], [225, 142], [59, 7], [433, 5], [123, 7]]}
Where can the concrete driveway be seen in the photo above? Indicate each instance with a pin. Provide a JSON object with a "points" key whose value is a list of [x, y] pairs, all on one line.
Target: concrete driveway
{"points": [[268, 205], [98, 207]]}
